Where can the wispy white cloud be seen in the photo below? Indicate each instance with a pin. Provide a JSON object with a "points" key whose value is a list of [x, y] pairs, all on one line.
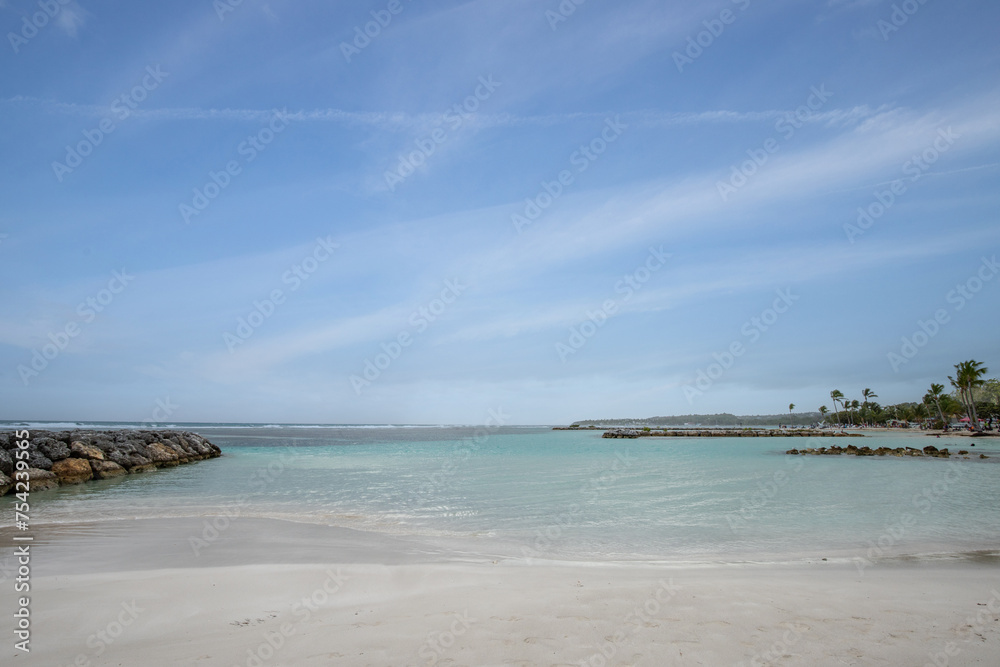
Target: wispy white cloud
{"points": [[399, 120], [507, 319], [72, 18], [677, 208], [495, 346], [684, 284], [259, 355]]}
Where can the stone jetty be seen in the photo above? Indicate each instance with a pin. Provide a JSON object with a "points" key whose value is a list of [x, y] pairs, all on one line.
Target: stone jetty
{"points": [[57, 458], [721, 433]]}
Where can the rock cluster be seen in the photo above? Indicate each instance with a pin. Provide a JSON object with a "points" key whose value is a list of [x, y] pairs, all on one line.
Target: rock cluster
{"points": [[621, 433], [71, 457], [851, 450]]}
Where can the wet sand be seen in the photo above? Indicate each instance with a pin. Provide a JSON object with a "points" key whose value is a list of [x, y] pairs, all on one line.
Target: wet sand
{"points": [[267, 592]]}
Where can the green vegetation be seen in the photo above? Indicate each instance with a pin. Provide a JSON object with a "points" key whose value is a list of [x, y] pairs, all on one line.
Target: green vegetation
{"points": [[934, 395], [836, 395], [973, 397], [969, 377]]}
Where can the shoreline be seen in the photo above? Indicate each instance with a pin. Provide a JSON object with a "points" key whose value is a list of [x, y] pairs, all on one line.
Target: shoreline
{"points": [[152, 543], [368, 599]]}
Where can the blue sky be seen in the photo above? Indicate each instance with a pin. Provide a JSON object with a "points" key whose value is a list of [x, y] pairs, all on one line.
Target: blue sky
{"points": [[492, 206]]}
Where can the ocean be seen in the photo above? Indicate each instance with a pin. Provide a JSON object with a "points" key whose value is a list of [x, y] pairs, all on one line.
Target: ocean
{"points": [[535, 493]]}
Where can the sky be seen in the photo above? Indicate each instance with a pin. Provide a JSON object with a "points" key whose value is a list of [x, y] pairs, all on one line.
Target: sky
{"points": [[531, 212]]}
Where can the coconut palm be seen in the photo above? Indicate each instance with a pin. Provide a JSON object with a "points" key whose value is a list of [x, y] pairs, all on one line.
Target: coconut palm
{"points": [[877, 413], [933, 395], [968, 376], [950, 407], [822, 411], [867, 394], [959, 382], [791, 406], [854, 405], [836, 395]]}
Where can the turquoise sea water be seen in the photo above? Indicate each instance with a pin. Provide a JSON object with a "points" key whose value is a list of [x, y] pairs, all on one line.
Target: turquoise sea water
{"points": [[557, 494]]}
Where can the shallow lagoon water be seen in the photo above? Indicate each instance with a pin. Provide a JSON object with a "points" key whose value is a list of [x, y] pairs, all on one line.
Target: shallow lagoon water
{"points": [[563, 494]]}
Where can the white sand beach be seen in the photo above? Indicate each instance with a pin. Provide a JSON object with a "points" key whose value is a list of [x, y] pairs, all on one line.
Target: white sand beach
{"points": [[279, 593]]}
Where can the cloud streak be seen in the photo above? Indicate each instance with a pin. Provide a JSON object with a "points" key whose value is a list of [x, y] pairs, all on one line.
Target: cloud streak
{"points": [[399, 120]]}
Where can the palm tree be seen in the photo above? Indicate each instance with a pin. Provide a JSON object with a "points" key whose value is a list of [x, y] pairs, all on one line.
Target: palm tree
{"points": [[791, 406], [968, 376], [950, 407], [934, 396], [959, 383], [854, 405], [823, 410], [836, 395], [976, 371], [866, 394]]}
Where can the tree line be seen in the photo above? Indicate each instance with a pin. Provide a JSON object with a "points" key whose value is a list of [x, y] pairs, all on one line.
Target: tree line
{"points": [[973, 397]]}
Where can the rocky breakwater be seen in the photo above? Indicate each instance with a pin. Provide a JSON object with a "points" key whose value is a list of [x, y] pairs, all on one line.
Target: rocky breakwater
{"points": [[851, 450], [621, 433], [72, 457]]}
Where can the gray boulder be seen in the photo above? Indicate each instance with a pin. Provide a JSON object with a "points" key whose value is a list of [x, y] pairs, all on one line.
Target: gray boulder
{"points": [[38, 460], [103, 442], [120, 457], [51, 448]]}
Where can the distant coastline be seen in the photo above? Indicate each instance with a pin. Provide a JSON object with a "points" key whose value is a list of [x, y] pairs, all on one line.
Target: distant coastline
{"points": [[708, 421]]}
